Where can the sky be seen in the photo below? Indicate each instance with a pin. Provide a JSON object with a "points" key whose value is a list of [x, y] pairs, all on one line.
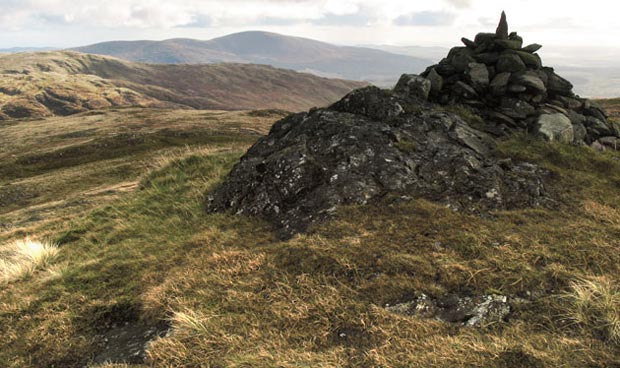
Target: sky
{"points": [[62, 23]]}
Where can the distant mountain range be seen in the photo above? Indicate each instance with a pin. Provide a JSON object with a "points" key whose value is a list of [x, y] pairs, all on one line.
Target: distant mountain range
{"points": [[14, 50], [593, 71], [300, 54], [65, 82]]}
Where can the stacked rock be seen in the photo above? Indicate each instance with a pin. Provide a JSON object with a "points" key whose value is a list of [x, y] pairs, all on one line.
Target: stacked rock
{"points": [[507, 84]]}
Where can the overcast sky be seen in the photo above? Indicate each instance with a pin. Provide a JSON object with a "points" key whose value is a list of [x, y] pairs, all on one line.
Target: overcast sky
{"points": [[62, 23]]}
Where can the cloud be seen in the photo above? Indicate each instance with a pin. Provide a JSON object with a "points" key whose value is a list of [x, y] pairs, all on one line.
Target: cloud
{"points": [[277, 21], [460, 4], [426, 18], [560, 22], [198, 21], [487, 22], [362, 17], [26, 14]]}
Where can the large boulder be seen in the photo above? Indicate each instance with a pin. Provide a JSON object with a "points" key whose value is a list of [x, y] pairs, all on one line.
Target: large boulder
{"points": [[508, 44], [597, 128], [555, 128], [310, 163], [461, 58], [580, 133], [516, 108], [487, 58], [373, 102]]}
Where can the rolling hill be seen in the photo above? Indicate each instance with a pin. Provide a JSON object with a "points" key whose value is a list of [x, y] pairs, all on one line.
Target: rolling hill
{"points": [[301, 54], [64, 83]]}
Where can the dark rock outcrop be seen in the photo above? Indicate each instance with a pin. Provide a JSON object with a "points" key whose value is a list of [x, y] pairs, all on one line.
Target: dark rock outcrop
{"points": [[371, 144]]}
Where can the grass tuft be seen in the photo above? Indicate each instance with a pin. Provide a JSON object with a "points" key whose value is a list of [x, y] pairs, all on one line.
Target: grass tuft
{"points": [[594, 304], [189, 321], [21, 258]]}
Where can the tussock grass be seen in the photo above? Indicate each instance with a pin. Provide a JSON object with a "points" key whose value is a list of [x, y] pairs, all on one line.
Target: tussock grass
{"points": [[189, 321], [21, 258], [594, 305]]}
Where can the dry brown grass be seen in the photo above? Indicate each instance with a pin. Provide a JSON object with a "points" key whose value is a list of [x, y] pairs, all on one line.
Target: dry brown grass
{"points": [[594, 305], [21, 258], [317, 300], [238, 297]]}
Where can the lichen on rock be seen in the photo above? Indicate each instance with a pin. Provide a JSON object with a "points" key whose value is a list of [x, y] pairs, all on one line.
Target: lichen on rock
{"points": [[371, 144]]}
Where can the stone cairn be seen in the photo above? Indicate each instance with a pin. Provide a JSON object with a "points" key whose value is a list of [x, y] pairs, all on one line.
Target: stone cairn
{"points": [[508, 86]]}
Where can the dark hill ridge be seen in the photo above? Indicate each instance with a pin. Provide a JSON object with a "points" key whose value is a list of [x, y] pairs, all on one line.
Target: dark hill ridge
{"points": [[301, 54], [64, 83], [399, 144]]}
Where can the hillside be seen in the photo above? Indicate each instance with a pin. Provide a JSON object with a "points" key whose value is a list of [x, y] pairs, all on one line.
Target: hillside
{"points": [[64, 83], [93, 153], [301, 54], [222, 290]]}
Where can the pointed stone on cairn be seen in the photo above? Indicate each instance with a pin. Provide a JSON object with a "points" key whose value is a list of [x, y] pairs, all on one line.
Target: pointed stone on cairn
{"points": [[502, 28]]}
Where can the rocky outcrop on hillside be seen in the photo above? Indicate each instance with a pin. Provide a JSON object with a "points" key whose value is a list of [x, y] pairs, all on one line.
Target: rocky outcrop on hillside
{"points": [[506, 83], [370, 144], [403, 143]]}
